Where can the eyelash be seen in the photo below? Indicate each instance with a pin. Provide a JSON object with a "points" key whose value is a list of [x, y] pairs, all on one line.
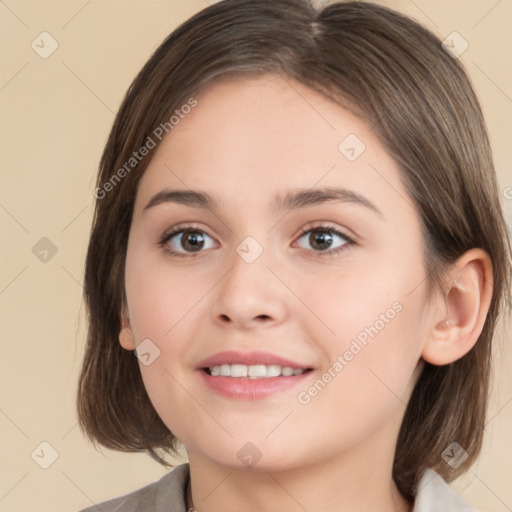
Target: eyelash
{"points": [[327, 228]]}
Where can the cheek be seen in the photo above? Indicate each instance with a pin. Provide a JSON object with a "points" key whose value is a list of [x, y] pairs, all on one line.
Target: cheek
{"points": [[364, 305], [375, 343], [160, 296], [365, 386], [164, 305]]}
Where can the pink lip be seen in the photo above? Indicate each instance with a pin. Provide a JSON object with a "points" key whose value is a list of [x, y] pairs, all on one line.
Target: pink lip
{"points": [[250, 389], [245, 388]]}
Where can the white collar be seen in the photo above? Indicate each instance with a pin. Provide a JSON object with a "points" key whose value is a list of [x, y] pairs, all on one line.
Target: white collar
{"points": [[435, 495]]}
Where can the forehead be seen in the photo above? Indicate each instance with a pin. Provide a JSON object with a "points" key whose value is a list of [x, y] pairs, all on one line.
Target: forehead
{"points": [[268, 109], [265, 134]]}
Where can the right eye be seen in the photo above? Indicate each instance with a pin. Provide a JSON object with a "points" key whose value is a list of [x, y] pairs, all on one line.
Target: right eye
{"points": [[185, 241]]}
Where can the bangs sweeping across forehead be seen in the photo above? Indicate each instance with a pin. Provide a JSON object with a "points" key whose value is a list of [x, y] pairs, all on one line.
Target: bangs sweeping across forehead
{"points": [[419, 101]]}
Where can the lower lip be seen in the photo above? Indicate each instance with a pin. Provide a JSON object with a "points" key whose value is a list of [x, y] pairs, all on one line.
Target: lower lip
{"points": [[244, 388]]}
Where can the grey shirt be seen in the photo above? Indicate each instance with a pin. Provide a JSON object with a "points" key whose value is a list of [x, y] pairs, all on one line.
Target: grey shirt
{"points": [[169, 495]]}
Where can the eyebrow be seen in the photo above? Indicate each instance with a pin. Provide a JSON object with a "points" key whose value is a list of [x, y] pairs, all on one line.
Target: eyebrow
{"points": [[292, 200]]}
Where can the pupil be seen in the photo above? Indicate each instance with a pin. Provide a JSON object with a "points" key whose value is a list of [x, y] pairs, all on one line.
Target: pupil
{"points": [[195, 239], [324, 238]]}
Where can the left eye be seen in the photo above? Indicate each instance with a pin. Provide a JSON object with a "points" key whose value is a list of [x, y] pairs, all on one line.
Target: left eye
{"points": [[191, 241], [322, 239]]}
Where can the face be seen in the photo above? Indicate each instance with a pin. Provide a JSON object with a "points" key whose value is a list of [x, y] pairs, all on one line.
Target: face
{"points": [[304, 271]]}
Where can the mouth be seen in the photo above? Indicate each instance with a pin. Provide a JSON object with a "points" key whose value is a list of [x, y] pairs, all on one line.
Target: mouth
{"points": [[251, 375]]}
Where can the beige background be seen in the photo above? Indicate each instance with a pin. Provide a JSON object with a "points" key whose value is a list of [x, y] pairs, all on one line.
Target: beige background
{"points": [[55, 117]]}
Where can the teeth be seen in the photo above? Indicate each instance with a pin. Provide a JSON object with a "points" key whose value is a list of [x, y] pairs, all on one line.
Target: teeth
{"points": [[273, 370], [256, 371], [238, 370]]}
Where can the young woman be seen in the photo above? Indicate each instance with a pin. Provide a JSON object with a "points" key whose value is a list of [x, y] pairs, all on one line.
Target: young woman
{"points": [[298, 234]]}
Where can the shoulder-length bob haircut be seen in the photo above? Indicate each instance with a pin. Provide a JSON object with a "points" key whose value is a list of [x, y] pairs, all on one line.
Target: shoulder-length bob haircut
{"points": [[396, 76]]}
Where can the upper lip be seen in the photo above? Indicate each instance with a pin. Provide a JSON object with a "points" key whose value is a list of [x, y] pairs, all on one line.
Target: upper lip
{"points": [[249, 358]]}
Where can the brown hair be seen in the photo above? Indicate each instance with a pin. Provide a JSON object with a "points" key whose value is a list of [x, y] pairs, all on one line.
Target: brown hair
{"points": [[420, 103]]}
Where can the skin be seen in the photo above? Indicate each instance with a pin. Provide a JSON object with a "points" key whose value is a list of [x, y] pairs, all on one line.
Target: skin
{"points": [[247, 140]]}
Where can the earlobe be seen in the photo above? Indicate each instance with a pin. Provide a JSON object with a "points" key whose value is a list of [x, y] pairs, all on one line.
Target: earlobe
{"points": [[458, 324], [126, 338]]}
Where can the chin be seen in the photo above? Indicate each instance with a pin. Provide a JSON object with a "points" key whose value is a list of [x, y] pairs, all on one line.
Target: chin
{"points": [[249, 457]]}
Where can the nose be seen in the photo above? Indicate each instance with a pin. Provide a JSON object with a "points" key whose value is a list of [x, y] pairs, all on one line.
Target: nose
{"points": [[250, 296]]}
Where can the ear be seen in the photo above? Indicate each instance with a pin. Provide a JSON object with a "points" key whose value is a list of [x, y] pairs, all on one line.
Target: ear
{"points": [[126, 338], [460, 318]]}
